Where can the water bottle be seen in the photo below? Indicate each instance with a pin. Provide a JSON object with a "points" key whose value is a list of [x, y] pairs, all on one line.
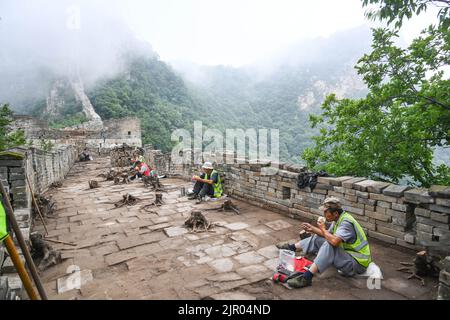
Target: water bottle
{"points": [[287, 259]]}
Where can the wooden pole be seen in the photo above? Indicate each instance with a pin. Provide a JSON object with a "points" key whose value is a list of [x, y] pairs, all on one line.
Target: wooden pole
{"points": [[23, 246], [36, 205], [12, 251], [62, 242]]}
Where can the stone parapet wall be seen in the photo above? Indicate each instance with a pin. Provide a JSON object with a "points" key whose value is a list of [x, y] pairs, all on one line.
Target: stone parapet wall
{"points": [[395, 214], [42, 169], [113, 133]]}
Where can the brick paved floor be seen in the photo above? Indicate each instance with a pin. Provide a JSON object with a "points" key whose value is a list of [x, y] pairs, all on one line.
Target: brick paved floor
{"points": [[128, 253]]}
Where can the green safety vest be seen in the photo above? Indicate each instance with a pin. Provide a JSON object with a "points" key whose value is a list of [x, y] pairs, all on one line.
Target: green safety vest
{"points": [[359, 250], [218, 189], [3, 230]]}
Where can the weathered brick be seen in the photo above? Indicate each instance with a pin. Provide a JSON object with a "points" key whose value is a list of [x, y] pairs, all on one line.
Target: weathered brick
{"points": [[418, 196], [382, 197], [378, 216], [384, 204], [440, 217], [395, 190], [322, 186], [402, 207], [410, 238], [349, 184], [442, 209], [433, 223], [360, 194], [424, 227], [353, 210], [422, 212], [443, 202], [382, 237], [390, 232], [369, 202], [440, 191]]}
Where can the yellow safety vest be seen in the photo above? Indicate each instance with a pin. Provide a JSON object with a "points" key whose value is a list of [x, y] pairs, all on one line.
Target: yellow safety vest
{"points": [[359, 250], [3, 229], [218, 189]]}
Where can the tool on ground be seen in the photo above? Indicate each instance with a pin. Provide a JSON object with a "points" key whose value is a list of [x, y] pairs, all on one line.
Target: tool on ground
{"points": [[36, 205], [23, 246]]}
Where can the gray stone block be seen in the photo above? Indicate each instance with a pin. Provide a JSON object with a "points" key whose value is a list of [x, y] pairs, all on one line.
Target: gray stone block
{"points": [[3, 287], [418, 196], [422, 212], [410, 238], [433, 223], [442, 209], [443, 202], [440, 191], [349, 184], [11, 163], [382, 237], [443, 292], [395, 190], [440, 217]]}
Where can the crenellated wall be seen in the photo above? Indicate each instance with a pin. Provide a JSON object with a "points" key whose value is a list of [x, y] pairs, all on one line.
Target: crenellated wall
{"points": [[113, 133], [398, 215]]}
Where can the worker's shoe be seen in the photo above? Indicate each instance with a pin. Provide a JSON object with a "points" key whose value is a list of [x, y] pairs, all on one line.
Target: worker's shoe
{"points": [[299, 282], [192, 196], [199, 200], [285, 246], [191, 193]]}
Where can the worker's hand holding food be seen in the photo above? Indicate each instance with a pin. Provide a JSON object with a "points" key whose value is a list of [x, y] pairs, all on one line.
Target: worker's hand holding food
{"points": [[321, 223], [307, 227], [195, 178]]}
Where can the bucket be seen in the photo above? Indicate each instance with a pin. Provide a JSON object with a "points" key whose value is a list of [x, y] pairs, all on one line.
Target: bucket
{"points": [[287, 259]]}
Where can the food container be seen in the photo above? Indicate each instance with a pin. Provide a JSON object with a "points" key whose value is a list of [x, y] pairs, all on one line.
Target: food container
{"points": [[287, 259]]}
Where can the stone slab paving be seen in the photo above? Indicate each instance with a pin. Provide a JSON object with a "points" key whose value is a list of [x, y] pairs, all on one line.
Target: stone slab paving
{"points": [[129, 253]]}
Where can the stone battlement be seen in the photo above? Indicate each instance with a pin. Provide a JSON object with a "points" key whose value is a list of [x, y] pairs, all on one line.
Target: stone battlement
{"points": [[399, 215]]}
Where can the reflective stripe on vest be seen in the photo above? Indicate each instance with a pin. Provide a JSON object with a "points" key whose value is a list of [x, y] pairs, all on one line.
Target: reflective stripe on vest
{"points": [[360, 249], [3, 228], [218, 190]]}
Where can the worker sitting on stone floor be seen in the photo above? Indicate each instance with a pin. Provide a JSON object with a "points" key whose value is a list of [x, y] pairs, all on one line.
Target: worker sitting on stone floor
{"points": [[85, 156], [142, 170], [208, 183], [135, 160], [344, 245]]}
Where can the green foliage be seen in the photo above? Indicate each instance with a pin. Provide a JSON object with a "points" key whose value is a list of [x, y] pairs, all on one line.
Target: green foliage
{"points": [[68, 121], [9, 138], [392, 132], [151, 91], [397, 10]]}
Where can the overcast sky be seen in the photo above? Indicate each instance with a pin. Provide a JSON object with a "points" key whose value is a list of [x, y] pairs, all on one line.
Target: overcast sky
{"points": [[207, 32], [238, 32]]}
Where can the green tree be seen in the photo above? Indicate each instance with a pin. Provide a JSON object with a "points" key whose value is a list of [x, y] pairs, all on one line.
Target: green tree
{"points": [[391, 134], [8, 137]]}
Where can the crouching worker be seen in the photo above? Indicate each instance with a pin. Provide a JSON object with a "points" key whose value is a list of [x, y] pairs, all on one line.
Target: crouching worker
{"points": [[344, 245], [142, 170], [207, 184]]}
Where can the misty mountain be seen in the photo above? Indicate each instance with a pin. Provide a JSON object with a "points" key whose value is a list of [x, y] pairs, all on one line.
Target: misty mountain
{"points": [[123, 76]]}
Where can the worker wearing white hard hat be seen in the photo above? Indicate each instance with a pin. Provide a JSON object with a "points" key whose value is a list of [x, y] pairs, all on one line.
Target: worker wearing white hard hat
{"points": [[208, 183]]}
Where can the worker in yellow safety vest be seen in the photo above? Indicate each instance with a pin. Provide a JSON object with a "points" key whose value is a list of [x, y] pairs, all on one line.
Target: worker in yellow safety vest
{"points": [[344, 245], [208, 183]]}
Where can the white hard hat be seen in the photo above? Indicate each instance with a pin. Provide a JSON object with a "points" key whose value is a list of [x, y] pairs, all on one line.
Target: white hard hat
{"points": [[207, 165]]}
